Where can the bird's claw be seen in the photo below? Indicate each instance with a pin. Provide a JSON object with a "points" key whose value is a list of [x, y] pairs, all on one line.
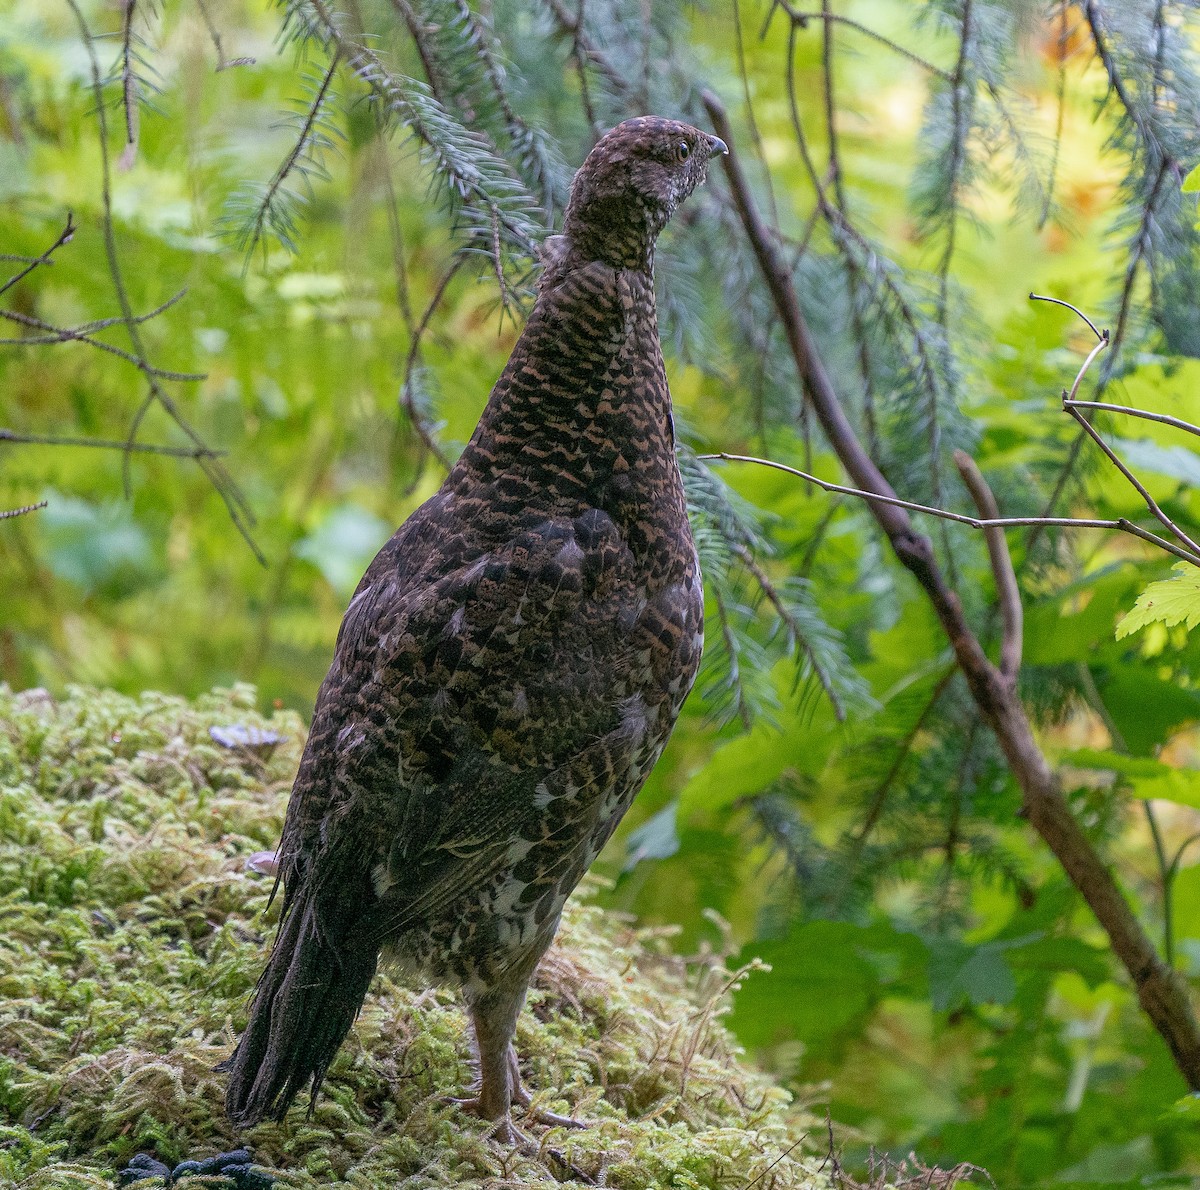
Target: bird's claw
{"points": [[503, 1129]]}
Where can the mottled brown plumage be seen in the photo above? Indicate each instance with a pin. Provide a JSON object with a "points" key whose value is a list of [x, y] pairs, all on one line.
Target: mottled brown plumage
{"points": [[509, 668]]}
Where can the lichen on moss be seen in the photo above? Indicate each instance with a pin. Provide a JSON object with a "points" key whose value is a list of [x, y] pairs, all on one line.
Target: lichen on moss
{"points": [[131, 933]]}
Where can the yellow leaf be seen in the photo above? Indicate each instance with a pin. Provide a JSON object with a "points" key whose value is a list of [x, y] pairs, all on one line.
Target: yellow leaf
{"points": [[1170, 601]]}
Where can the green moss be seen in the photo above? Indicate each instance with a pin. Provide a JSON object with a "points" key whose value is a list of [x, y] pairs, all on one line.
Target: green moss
{"points": [[131, 933]]}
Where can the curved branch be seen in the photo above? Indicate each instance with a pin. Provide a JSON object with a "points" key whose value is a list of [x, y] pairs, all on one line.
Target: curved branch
{"points": [[1162, 994]]}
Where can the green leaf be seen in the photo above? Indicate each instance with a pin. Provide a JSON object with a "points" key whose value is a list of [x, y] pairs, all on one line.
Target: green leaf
{"points": [[1187, 1108], [656, 838], [342, 545], [1147, 709], [969, 974], [1170, 601], [98, 547], [1176, 462], [1192, 182], [1146, 779]]}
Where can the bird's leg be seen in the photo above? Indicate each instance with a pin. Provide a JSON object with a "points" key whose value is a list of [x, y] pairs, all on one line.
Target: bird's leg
{"points": [[522, 1097], [494, 1020]]}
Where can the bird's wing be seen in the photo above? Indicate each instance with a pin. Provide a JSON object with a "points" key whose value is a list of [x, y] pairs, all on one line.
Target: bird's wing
{"points": [[457, 690]]}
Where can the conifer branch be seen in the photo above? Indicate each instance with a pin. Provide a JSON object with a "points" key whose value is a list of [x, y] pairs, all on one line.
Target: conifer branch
{"points": [[214, 470], [272, 207], [214, 35], [1161, 992]]}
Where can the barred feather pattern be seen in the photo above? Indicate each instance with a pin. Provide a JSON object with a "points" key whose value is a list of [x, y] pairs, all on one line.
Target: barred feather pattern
{"points": [[509, 668]]}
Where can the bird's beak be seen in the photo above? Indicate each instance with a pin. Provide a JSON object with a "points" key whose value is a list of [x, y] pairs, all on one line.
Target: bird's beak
{"points": [[716, 145]]}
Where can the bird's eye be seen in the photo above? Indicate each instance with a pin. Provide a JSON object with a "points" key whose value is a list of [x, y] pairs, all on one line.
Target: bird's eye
{"points": [[682, 151]]}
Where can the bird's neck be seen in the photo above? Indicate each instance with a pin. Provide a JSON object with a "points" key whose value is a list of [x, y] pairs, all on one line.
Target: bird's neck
{"points": [[581, 416], [619, 233]]}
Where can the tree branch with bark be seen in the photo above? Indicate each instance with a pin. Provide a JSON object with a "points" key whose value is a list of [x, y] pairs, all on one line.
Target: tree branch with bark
{"points": [[1161, 991]]}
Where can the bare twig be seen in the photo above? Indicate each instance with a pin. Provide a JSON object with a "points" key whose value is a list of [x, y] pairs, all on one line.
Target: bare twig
{"points": [[1041, 297], [802, 18], [1162, 418], [1120, 523], [64, 237], [177, 452], [1008, 594], [1160, 991], [235, 503], [7, 514], [63, 334], [1072, 407]]}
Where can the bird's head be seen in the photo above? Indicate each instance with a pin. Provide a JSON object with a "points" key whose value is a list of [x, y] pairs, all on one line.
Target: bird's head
{"points": [[630, 185]]}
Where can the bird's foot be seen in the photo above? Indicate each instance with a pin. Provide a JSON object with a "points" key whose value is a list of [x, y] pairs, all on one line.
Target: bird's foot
{"points": [[503, 1129], [522, 1098], [505, 1132]]}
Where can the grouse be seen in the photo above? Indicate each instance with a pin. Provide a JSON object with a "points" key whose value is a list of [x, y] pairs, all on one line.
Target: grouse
{"points": [[508, 670]]}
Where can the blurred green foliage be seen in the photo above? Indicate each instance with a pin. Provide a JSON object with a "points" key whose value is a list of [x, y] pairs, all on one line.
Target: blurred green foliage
{"points": [[935, 979]]}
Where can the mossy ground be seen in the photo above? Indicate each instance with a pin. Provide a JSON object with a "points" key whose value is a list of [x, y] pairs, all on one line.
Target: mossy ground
{"points": [[131, 934]]}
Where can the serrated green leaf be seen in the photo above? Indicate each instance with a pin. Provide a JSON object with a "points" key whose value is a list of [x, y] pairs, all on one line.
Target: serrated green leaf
{"points": [[1170, 601]]}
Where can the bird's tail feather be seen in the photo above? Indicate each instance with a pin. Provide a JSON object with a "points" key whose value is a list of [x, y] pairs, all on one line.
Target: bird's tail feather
{"points": [[304, 1005]]}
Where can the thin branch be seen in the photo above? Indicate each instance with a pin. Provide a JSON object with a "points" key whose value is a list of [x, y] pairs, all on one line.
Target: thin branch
{"points": [[223, 63], [1061, 101], [129, 83], [585, 90], [14, 512], [1162, 418], [418, 32], [875, 809], [178, 452], [64, 237], [1164, 869], [235, 503], [407, 396], [751, 122], [1071, 406], [1041, 297], [1008, 594], [731, 648], [802, 19], [1161, 993], [572, 26], [248, 241], [1120, 523], [957, 157], [1095, 24]]}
